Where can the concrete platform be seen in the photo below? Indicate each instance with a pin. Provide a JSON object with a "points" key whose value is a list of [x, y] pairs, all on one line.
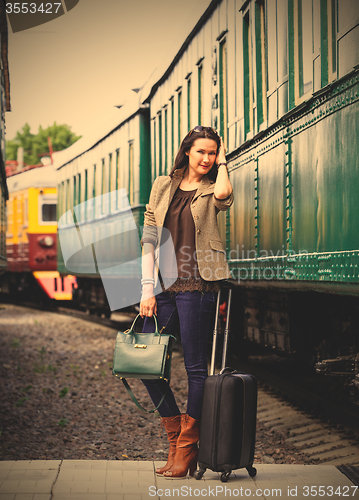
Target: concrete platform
{"points": [[135, 480]]}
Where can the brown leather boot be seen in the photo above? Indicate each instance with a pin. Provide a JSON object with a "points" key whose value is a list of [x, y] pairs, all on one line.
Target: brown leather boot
{"points": [[186, 451], [173, 429]]}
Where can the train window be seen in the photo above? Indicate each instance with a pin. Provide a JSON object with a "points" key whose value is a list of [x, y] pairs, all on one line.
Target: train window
{"points": [[131, 173], [68, 204], [110, 172], [271, 48], [20, 215], [14, 218], [348, 12], [60, 203], [74, 192], [188, 104], [47, 209], [179, 101], [79, 190], [333, 38], [200, 92], [94, 191], [97, 188], [305, 50], [117, 175], [86, 194], [103, 183], [48, 212], [166, 150], [25, 212], [172, 130], [154, 149], [328, 41], [223, 118], [247, 72], [282, 40], [109, 182], [63, 198], [260, 62], [159, 143], [348, 36]]}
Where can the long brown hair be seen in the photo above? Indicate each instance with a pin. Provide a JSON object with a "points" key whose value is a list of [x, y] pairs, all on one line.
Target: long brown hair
{"points": [[181, 159]]}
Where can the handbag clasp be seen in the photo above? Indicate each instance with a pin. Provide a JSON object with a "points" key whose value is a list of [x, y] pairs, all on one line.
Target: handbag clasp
{"points": [[140, 346]]}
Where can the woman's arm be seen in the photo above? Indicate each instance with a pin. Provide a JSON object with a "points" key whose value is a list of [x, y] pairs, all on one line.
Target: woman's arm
{"points": [[223, 187], [150, 229], [148, 305]]}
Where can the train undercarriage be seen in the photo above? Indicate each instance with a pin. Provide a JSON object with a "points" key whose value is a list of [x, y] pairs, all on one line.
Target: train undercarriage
{"points": [[319, 329]]}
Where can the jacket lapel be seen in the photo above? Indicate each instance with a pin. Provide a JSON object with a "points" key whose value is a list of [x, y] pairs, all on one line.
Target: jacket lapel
{"points": [[176, 181], [206, 187]]}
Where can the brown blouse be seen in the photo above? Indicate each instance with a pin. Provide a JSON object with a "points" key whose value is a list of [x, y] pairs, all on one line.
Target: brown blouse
{"points": [[179, 222]]}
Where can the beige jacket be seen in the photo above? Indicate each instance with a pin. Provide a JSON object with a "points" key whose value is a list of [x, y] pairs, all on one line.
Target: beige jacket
{"points": [[211, 255]]}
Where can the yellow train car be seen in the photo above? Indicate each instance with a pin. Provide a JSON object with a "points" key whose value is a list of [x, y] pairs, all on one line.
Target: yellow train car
{"points": [[31, 238]]}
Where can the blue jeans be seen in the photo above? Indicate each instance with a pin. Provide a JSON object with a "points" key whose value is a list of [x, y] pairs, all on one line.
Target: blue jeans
{"points": [[192, 311]]}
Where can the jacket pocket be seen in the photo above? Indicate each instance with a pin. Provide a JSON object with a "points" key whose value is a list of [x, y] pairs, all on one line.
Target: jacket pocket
{"points": [[217, 246]]}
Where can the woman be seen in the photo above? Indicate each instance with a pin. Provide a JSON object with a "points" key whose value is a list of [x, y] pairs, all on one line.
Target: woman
{"points": [[186, 203]]}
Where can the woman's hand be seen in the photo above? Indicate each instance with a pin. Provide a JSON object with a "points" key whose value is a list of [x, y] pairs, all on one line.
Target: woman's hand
{"points": [[148, 305], [221, 156], [223, 187]]}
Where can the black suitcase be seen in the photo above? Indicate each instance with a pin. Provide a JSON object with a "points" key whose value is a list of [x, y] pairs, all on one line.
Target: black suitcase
{"points": [[229, 411]]}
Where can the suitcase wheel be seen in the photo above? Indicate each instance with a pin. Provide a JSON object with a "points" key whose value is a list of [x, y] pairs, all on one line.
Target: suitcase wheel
{"points": [[252, 471], [199, 473], [225, 476]]}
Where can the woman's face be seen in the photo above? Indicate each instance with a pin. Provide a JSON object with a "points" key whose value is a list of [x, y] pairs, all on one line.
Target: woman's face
{"points": [[202, 156]]}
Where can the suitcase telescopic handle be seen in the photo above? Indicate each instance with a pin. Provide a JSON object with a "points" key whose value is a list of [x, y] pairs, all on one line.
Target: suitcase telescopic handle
{"points": [[226, 330], [215, 332]]}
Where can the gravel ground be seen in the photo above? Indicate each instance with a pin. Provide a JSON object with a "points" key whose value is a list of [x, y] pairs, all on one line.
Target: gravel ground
{"points": [[59, 399]]}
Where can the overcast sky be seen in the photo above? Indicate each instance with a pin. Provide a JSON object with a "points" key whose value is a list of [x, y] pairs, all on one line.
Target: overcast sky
{"points": [[70, 68]]}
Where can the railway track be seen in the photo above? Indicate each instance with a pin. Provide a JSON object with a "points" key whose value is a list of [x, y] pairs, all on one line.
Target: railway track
{"points": [[322, 442], [118, 320], [299, 385], [331, 439]]}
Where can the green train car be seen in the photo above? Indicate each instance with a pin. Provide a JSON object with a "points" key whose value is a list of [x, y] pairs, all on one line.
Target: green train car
{"points": [[103, 185], [4, 106], [292, 230], [279, 80]]}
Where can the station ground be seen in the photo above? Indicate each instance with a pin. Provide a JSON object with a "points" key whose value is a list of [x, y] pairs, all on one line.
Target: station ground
{"points": [[136, 480]]}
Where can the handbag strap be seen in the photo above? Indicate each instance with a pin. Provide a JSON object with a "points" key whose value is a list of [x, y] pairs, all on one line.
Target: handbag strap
{"points": [[137, 403], [131, 330]]}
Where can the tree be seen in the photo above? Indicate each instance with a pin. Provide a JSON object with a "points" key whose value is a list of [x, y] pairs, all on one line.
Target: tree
{"points": [[36, 145], [25, 139]]}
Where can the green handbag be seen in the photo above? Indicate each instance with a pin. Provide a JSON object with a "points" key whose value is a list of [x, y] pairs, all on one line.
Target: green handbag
{"points": [[144, 356]]}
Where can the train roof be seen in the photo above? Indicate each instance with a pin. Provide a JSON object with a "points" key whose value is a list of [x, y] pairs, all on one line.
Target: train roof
{"points": [[169, 62], [112, 118], [41, 177]]}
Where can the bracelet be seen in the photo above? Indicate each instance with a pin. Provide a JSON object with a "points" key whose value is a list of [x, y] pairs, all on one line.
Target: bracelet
{"points": [[147, 281], [222, 163]]}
